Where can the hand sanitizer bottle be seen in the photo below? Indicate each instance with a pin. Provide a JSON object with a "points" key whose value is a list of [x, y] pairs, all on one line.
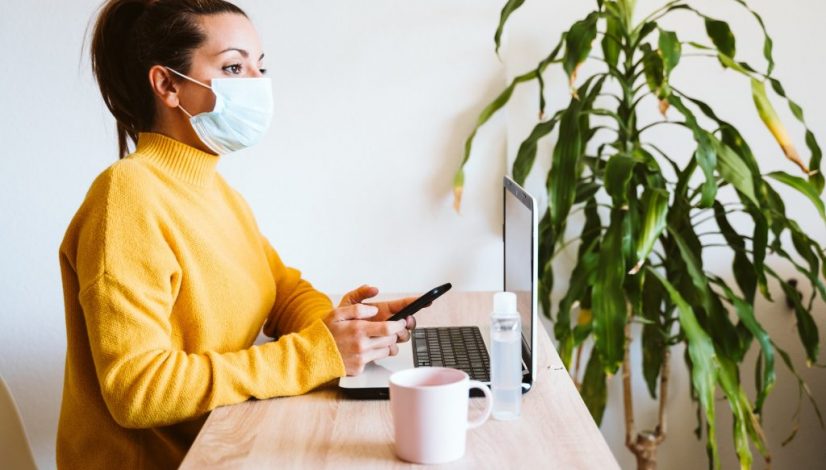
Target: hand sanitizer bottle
{"points": [[506, 357]]}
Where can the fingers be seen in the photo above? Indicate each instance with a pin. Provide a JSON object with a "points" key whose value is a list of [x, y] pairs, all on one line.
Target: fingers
{"points": [[382, 342], [405, 334], [395, 306], [410, 322], [354, 312], [356, 296], [374, 355], [384, 328]]}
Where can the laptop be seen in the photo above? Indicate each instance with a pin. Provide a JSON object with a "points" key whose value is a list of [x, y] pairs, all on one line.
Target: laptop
{"points": [[467, 347]]}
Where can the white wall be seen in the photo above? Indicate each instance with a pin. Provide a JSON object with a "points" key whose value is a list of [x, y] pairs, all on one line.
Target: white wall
{"points": [[353, 184]]}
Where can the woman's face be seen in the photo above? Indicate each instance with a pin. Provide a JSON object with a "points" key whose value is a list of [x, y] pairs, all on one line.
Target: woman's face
{"points": [[232, 49]]}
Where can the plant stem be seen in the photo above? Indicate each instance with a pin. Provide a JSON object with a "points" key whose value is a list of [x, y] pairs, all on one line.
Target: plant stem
{"points": [[664, 376], [627, 399], [577, 382], [644, 446]]}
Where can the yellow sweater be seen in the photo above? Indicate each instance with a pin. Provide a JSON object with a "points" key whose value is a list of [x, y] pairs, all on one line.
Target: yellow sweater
{"points": [[167, 281]]}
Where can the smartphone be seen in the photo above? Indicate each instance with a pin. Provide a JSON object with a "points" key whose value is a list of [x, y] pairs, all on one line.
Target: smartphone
{"points": [[421, 302]]}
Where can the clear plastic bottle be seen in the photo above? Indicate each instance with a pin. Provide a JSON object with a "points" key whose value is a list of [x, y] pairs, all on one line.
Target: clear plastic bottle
{"points": [[506, 357]]}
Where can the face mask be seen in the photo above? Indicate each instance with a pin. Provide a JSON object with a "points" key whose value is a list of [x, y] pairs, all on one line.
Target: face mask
{"points": [[242, 113]]}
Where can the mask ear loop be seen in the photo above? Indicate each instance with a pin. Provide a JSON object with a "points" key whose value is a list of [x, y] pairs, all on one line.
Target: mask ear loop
{"points": [[191, 80], [185, 111]]}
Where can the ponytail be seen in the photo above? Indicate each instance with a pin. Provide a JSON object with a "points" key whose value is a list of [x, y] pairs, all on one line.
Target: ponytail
{"points": [[132, 36]]}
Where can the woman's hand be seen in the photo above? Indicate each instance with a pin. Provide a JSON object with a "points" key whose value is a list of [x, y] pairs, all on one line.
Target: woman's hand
{"points": [[386, 309], [360, 332]]}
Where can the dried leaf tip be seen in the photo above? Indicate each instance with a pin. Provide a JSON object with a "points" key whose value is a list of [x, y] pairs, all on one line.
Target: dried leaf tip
{"points": [[664, 105], [457, 199]]}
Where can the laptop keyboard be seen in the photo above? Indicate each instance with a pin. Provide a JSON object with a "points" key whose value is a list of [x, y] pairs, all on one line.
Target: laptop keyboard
{"points": [[459, 347]]}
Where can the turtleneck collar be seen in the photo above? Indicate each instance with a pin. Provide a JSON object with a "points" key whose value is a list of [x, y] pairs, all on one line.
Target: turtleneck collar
{"points": [[187, 163]]}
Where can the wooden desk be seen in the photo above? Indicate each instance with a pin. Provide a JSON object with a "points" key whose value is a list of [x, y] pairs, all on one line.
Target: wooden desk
{"points": [[325, 430]]}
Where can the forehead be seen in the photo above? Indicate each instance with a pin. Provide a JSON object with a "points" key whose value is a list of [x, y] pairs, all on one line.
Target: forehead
{"points": [[229, 31]]}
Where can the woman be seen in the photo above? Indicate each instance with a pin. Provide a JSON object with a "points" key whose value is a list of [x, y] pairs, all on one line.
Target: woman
{"points": [[167, 280]]}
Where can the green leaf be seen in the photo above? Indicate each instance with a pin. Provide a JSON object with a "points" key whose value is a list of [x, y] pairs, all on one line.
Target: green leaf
{"points": [[578, 44], [547, 244], [527, 150], [731, 137], [611, 42], [768, 115], [670, 49], [801, 387], [743, 269], [734, 170], [815, 175], [721, 35], [767, 41], [706, 154], [745, 312], [566, 157], [730, 63], [745, 422], [654, 71], [704, 363], [653, 334], [725, 336], [804, 187], [655, 205], [591, 232], [618, 174], [540, 69], [608, 306], [642, 32], [594, 391], [760, 241], [809, 250], [581, 278], [632, 221], [484, 116], [627, 7], [585, 190], [806, 327], [507, 10]]}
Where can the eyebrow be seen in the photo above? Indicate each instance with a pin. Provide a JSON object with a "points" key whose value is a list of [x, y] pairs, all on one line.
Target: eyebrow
{"points": [[243, 53]]}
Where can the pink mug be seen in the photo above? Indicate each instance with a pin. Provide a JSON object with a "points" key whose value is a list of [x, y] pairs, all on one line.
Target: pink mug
{"points": [[430, 413]]}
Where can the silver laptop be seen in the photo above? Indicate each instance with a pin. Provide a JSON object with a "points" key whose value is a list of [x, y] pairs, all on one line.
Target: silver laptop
{"points": [[467, 347]]}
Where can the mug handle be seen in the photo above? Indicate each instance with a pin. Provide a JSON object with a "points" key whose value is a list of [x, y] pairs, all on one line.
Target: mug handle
{"points": [[488, 404]]}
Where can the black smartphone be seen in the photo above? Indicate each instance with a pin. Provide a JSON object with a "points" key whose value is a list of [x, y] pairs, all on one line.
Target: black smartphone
{"points": [[421, 302]]}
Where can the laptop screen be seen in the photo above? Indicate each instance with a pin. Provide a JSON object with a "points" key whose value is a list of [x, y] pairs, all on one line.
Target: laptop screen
{"points": [[519, 258]]}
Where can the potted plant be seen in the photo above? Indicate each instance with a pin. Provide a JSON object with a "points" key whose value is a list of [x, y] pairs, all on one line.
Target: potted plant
{"points": [[649, 216]]}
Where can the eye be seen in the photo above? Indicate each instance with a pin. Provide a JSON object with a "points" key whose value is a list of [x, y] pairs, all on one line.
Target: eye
{"points": [[234, 69]]}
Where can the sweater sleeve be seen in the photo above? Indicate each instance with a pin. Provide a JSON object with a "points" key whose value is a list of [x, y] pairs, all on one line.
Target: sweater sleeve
{"points": [[147, 383], [297, 304]]}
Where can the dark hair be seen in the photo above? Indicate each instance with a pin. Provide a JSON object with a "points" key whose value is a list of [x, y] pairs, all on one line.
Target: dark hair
{"points": [[130, 37]]}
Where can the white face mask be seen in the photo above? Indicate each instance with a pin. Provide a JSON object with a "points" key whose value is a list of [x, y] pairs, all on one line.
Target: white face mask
{"points": [[242, 113]]}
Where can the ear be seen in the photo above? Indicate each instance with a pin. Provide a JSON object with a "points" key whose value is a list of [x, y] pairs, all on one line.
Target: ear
{"points": [[164, 85]]}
